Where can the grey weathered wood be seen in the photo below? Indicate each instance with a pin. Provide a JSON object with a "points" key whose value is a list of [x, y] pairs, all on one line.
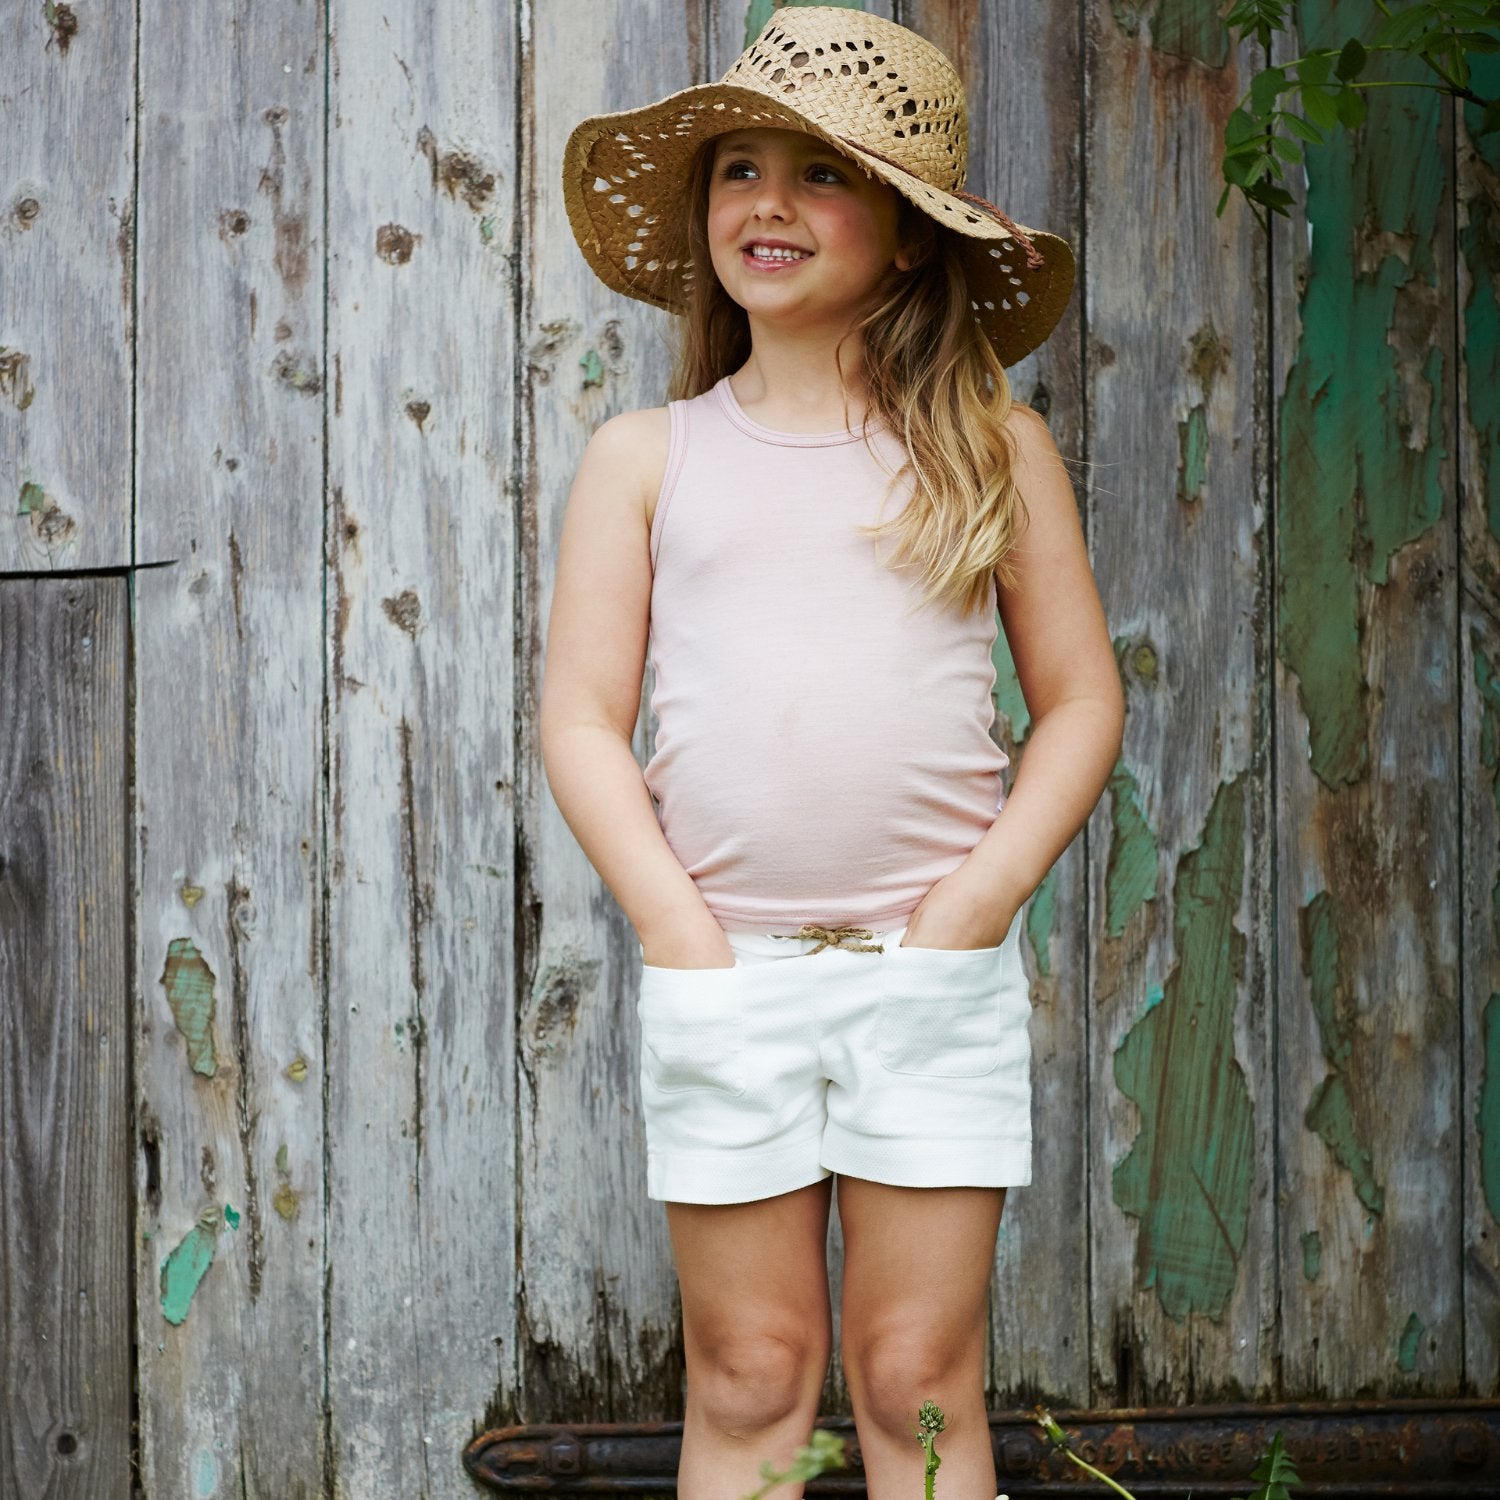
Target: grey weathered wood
{"points": [[66, 179], [65, 1358], [423, 702], [1478, 225], [601, 1325], [1368, 867], [1019, 65], [1175, 348], [228, 806]]}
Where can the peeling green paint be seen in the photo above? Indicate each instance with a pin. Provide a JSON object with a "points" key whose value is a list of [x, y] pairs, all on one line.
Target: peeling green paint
{"points": [[1010, 701], [1192, 456], [1130, 876], [1190, 28], [1488, 1117], [1479, 245], [1411, 1338], [1331, 1112], [184, 1268], [286, 1201], [1361, 439], [33, 498], [189, 984], [1187, 1176], [1312, 1254], [593, 369], [758, 12], [231, 1216], [1041, 922]]}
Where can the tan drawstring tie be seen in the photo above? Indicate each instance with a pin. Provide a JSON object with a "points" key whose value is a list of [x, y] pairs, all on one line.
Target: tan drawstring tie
{"points": [[833, 937]]}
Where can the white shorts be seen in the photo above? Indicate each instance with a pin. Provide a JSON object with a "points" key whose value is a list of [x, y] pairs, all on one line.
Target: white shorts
{"points": [[909, 1066]]}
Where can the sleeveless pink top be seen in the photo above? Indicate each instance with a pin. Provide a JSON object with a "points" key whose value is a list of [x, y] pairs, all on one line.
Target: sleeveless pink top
{"points": [[821, 755]]}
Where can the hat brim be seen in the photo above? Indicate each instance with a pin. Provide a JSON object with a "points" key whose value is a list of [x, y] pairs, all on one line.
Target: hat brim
{"points": [[624, 172]]}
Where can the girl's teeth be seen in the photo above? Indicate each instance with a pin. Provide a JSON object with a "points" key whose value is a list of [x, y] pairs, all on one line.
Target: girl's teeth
{"points": [[761, 254]]}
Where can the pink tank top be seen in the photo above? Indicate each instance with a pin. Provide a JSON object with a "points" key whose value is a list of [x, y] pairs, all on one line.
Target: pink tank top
{"points": [[821, 755]]}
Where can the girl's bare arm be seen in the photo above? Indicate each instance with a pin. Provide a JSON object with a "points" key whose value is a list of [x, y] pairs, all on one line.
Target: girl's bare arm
{"points": [[591, 692]]}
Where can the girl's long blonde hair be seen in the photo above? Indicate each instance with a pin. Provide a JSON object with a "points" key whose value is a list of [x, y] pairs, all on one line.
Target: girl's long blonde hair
{"points": [[930, 375]]}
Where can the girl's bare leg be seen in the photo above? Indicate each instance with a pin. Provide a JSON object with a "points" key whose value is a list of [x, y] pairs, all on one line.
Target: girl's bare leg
{"points": [[913, 1327], [758, 1331]]}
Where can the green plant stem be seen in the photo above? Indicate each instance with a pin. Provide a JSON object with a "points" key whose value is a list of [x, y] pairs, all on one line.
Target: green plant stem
{"points": [[1119, 1489]]}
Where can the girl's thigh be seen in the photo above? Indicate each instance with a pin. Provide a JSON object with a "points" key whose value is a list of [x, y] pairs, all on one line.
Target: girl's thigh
{"points": [[917, 1265], [754, 1269]]}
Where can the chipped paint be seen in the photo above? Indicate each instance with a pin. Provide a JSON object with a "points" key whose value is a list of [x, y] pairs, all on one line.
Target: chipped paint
{"points": [[285, 1201], [1192, 29], [296, 1070], [231, 1216], [1041, 922], [1479, 245], [1411, 1339], [404, 611], [189, 983], [184, 1268], [191, 895], [1312, 1254], [1330, 1112], [1360, 459], [1130, 878], [33, 498], [1488, 1117], [1187, 1176], [1192, 456], [593, 369], [758, 12]]}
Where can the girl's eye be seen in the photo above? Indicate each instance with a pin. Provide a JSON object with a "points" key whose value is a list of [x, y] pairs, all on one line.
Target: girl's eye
{"points": [[731, 170]]}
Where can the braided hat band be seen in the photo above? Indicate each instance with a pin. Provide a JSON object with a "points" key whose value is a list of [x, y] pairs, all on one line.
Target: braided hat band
{"points": [[873, 90]]}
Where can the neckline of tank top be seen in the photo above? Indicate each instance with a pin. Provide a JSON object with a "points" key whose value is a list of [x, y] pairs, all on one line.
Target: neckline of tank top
{"points": [[747, 424]]}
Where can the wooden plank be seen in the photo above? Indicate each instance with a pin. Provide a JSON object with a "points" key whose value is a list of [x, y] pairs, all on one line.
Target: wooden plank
{"points": [[1183, 1293], [1367, 742], [67, 179], [65, 1351], [1478, 392], [229, 966], [1019, 66], [601, 1334], [423, 705]]}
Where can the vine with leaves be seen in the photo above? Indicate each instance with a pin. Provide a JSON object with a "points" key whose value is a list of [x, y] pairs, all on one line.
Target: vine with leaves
{"points": [[1261, 136]]}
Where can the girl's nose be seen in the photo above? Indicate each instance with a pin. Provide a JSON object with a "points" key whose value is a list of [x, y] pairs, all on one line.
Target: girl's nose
{"points": [[773, 199]]}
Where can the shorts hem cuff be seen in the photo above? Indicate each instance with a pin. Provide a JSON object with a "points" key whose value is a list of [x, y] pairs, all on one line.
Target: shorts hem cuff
{"points": [[1001, 1161], [732, 1176]]}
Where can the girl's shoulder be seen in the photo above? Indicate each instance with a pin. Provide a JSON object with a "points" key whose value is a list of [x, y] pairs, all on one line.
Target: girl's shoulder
{"points": [[634, 444]]}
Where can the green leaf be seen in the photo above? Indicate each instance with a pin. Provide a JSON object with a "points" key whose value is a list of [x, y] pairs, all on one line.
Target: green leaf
{"points": [[1240, 126], [1275, 1473], [1314, 68], [1285, 149], [1318, 106], [1351, 107], [1265, 88], [1399, 29], [1351, 59], [1298, 126]]}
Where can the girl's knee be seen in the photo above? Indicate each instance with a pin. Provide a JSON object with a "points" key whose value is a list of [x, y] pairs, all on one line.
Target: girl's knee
{"points": [[891, 1374], [745, 1381]]}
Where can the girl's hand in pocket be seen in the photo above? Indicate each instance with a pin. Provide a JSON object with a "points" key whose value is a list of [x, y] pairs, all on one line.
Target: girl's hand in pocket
{"points": [[697, 944], [948, 916]]}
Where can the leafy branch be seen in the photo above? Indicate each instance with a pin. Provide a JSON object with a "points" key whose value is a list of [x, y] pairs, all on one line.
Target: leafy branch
{"points": [[1260, 135]]}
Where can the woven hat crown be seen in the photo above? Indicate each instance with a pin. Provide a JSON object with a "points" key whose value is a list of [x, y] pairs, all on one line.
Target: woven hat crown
{"points": [[868, 81]]}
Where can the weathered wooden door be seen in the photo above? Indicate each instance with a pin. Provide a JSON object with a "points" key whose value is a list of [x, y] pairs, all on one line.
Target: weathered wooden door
{"points": [[317, 1063]]}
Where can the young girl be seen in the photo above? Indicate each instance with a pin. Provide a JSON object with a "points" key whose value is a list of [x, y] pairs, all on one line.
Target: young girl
{"points": [[826, 896]]}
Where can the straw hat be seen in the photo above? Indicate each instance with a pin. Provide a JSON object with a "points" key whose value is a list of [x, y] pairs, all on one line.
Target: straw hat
{"points": [[877, 92]]}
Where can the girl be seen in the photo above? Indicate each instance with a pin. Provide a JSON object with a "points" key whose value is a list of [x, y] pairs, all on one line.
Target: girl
{"points": [[826, 899]]}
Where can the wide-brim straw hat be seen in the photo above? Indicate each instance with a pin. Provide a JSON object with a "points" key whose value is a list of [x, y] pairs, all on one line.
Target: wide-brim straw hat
{"points": [[875, 91]]}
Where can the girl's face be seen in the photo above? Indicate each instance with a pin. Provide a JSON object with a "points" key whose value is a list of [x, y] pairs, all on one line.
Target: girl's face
{"points": [[782, 188]]}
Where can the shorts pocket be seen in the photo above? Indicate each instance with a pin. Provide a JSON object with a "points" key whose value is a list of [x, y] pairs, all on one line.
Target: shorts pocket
{"points": [[692, 1028], [940, 1011]]}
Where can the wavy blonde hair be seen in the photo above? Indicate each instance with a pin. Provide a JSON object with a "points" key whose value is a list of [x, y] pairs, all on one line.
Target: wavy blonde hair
{"points": [[930, 374]]}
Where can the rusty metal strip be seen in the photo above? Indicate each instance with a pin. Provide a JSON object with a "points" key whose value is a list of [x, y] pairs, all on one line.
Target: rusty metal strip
{"points": [[1352, 1450]]}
